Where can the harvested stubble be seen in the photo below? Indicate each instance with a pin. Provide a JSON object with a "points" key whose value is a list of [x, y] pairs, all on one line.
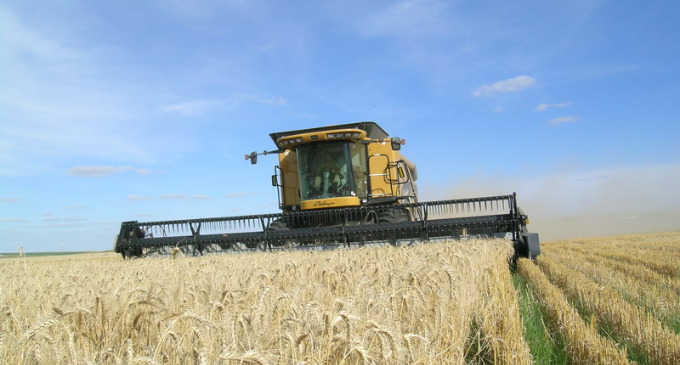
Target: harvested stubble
{"points": [[659, 252], [637, 271], [656, 293], [585, 345], [645, 332], [431, 303]]}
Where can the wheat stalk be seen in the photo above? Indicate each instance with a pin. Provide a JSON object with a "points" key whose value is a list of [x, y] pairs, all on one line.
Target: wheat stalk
{"points": [[35, 330], [249, 357]]}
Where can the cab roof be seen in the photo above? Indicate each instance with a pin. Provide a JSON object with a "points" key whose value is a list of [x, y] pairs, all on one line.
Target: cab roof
{"points": [[372, 129]]}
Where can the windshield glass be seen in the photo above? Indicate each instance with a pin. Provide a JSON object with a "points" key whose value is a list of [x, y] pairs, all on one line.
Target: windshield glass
{"points": [[325, 170]]}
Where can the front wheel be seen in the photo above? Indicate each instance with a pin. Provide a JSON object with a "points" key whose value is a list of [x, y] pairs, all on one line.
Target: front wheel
{"points": [[393, 216]]}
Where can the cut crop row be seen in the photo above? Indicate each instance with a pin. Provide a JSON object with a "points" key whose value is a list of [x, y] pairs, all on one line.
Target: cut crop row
{"points": [[657, 298], [584, 344], [629, 321]]}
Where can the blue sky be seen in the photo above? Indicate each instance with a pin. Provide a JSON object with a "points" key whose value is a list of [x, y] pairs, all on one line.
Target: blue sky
{"points": [[143, 110]]}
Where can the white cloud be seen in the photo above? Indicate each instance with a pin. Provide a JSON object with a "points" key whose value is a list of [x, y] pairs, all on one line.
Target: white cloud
{"points": [[57, 219], [206, 10], [406, 18], [272, 101], [185, 197], [191, 108], [139, 198], [103, 171], [518, 83], [544, 107], [240, 195], [175, 196], [61, 98], [201, 197], [76, 207], [21, 38], [201, 107], [241, 98], [12, 220], [562, 120]]}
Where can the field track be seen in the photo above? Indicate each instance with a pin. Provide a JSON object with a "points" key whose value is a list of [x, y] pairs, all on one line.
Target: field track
{"points": [[607, 300], [626, 291]]}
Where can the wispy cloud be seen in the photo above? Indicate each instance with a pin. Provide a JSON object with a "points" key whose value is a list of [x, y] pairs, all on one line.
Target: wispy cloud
{"points": [[562, 120], [196, 108], [268, 206], [203, 11], [23, 38], [12, 219], [170, 197], [76, 207], [57, 219], [515, 84], [139, 198], [244, 97], [544, 107], [272, 101], [406, 18], [103, 171], [191, 108], [9, 200], [185, 197], [240, 194], [61, 98]]}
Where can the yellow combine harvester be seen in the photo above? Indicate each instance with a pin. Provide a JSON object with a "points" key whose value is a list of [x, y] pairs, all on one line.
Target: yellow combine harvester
{"points": [[339, 185]]}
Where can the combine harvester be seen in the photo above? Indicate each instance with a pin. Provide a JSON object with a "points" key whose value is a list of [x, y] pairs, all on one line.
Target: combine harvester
{"points": [[343, 185]]}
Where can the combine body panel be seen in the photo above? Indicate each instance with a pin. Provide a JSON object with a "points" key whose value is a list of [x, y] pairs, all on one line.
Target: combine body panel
{"points": [[337, 186]]}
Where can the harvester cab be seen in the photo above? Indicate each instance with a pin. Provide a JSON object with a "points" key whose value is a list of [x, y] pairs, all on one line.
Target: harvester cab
{"points": [[348, 165], [338, 186]]}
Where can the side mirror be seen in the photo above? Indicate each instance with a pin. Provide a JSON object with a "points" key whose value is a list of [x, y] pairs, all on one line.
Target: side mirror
{"points": [[396, 143], [252, 157], [275, 182]]}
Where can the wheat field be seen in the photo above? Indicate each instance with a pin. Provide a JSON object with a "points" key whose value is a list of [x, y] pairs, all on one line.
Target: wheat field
{"points": [[610, 300], [439, 303]]}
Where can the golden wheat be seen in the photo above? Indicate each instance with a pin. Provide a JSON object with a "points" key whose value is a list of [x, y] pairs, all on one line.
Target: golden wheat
{"points": [[500, 321], [440, 303], [428, 303]]}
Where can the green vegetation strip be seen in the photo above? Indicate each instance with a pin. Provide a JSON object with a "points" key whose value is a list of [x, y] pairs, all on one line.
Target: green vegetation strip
{"points": [[545, 347]]}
